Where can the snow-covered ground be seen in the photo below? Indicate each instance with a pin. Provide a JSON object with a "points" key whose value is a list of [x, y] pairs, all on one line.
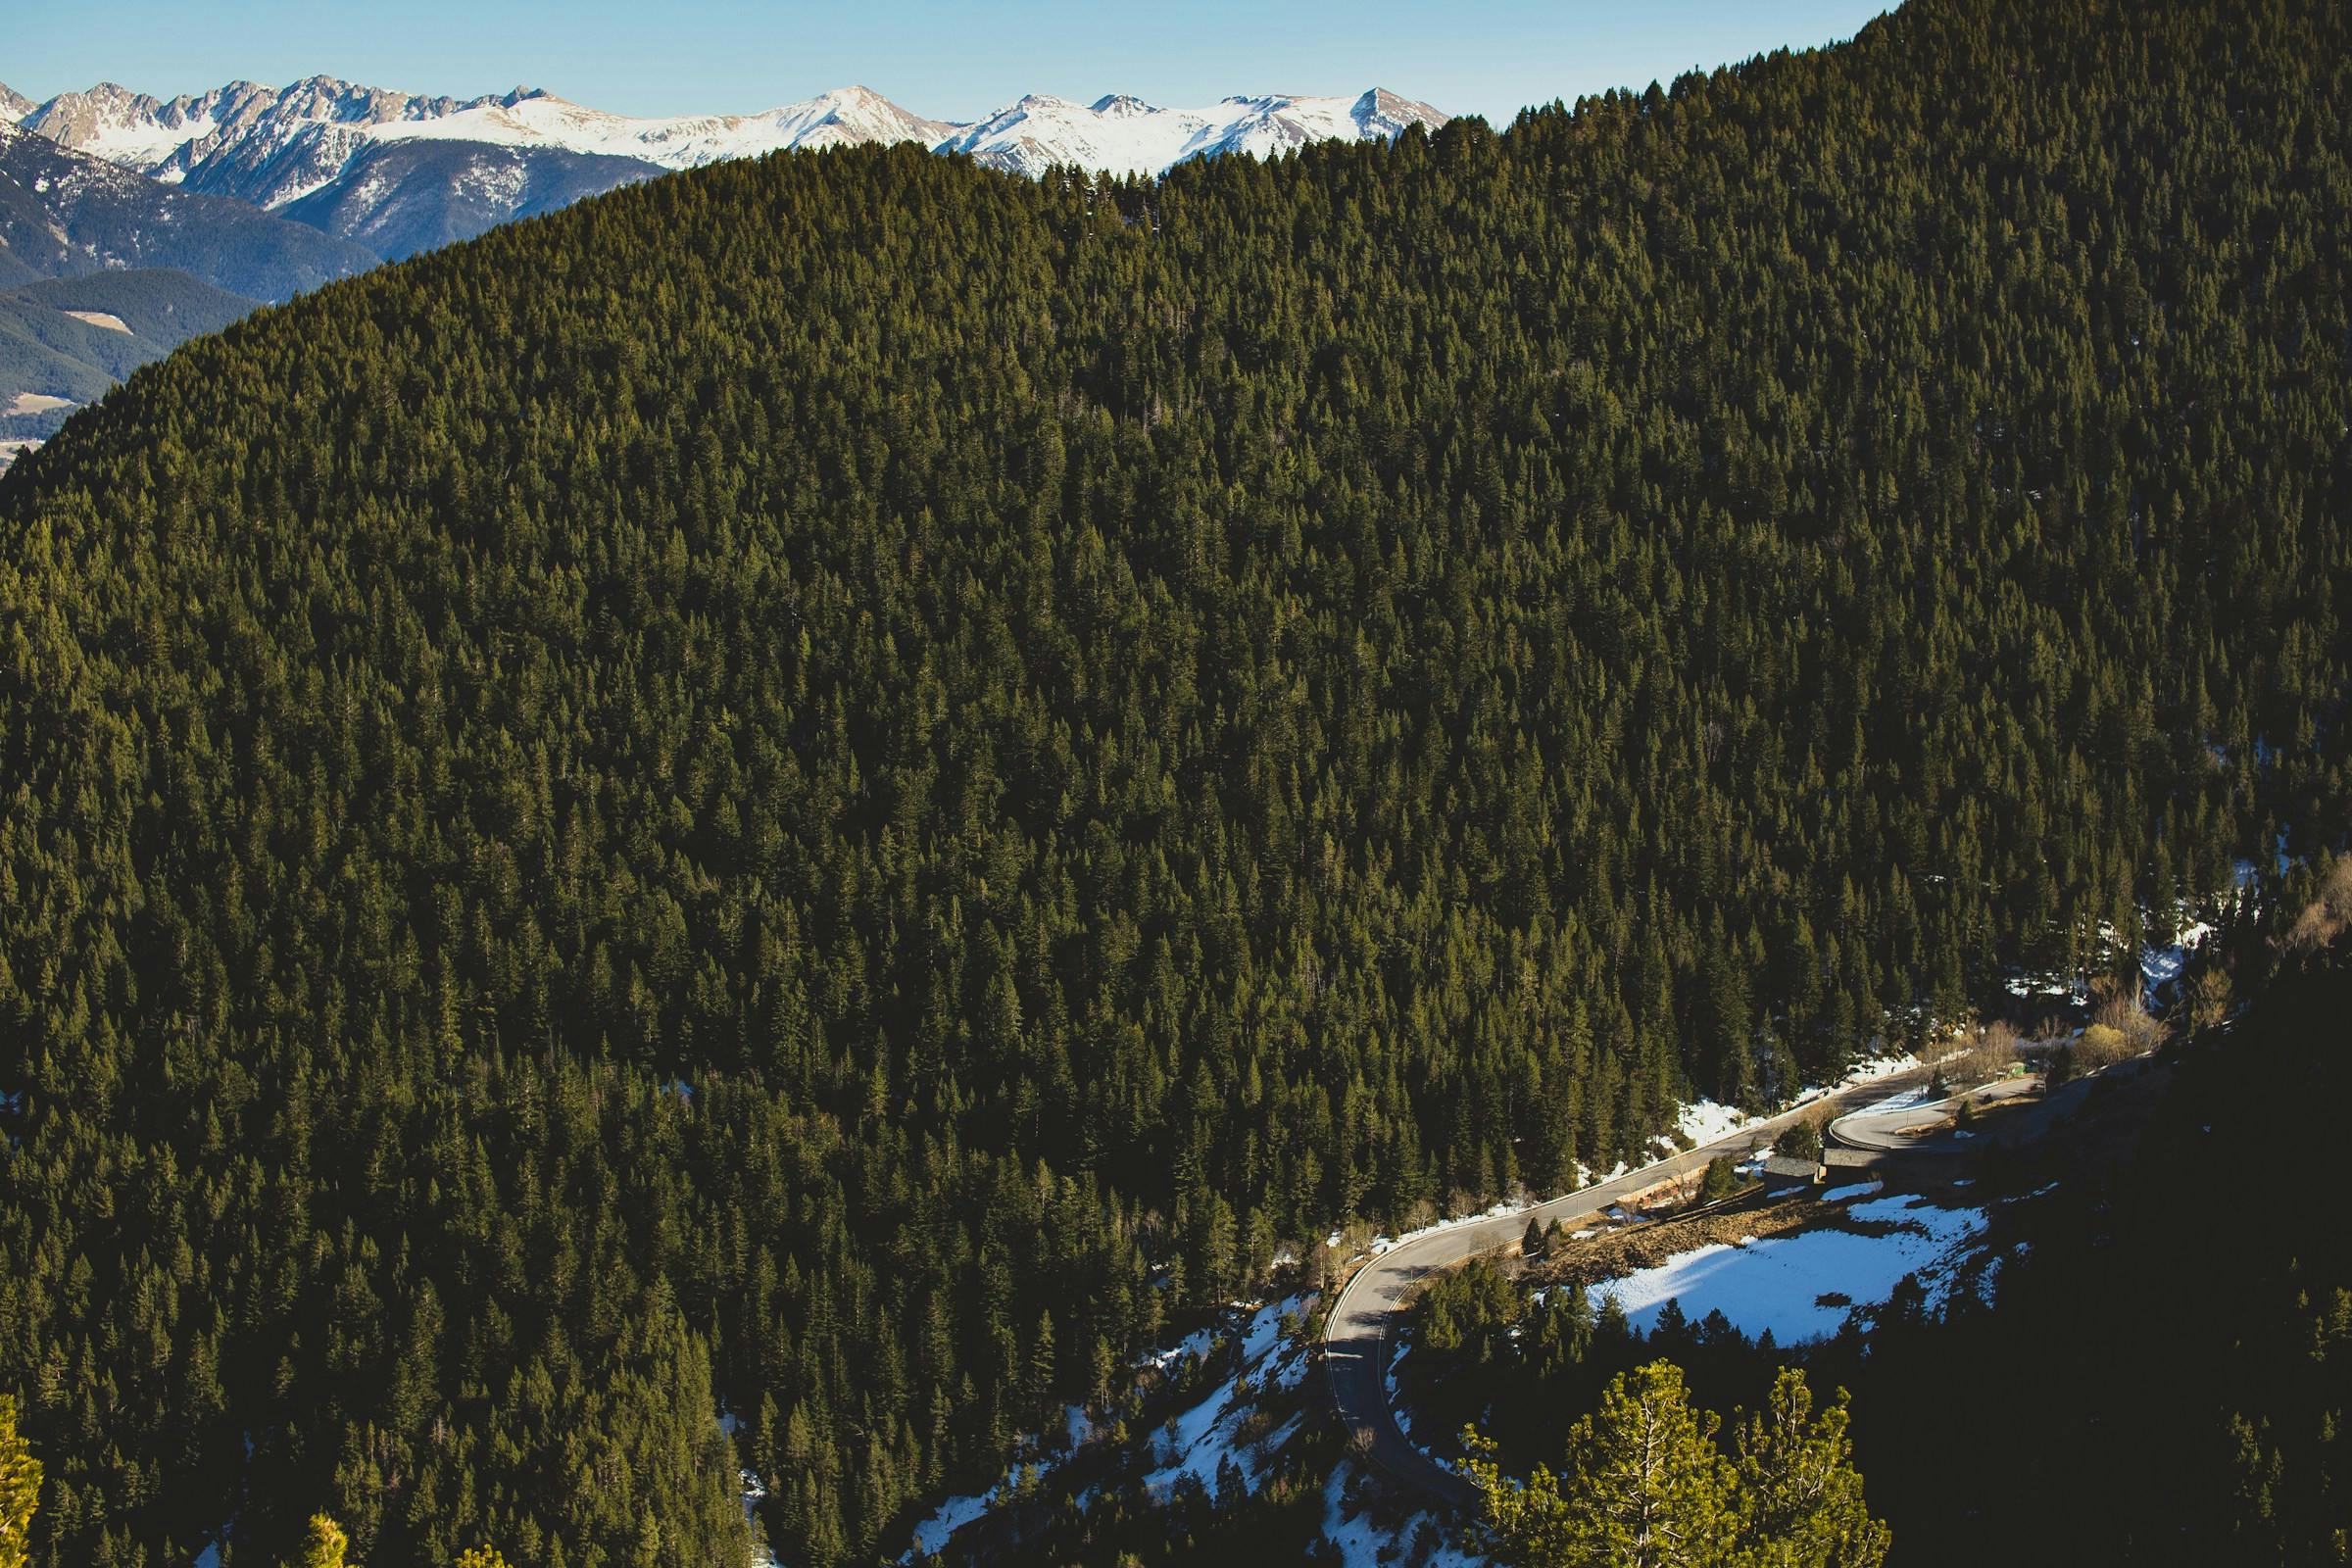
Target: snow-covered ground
{"points": [[1364, 1542], [1900, 1100], [1126, 136], [1778, 1281], [1702, 1121], [951, 1516], [956, 1512], [1382, 1244], [2070, 989], [2158, 965], [1208, 1434], [845, 115], [1191, 1348], [2161, 966]]}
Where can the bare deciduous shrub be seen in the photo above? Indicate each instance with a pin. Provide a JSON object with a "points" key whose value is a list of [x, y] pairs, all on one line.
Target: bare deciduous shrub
{"points": [[2141, 1032], [1986, 1053], [2324, 919], [2102, 1045]]}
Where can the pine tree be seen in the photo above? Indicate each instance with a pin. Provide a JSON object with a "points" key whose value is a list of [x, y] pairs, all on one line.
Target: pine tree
{"points": [[323, 1544], [19, 1488], [1643, 1487], [1043, 1363], [1721, 1180], [1801, 1498]]}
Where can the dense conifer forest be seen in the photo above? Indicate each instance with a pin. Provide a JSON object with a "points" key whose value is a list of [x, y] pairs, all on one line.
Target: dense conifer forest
{"points": [[841, 787]]}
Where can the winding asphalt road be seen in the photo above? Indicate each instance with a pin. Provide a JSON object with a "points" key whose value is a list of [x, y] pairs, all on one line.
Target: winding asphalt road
{"points": [[1891, 1131], [1371, 1307]]}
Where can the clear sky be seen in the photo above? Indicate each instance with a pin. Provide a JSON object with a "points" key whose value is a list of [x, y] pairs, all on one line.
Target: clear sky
{"points": [[950, 60]]}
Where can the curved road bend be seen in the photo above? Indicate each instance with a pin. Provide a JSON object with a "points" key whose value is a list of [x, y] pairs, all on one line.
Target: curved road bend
{"points": [[1889, 1131], [1370, 1309]]}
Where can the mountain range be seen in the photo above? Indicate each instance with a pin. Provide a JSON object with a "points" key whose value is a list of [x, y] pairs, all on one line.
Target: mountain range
{"points": [[401, 173]]}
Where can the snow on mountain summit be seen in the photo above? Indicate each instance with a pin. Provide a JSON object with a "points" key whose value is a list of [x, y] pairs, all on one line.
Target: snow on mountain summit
{"points": [[846, 116], [1128, 136], [274, 146], [401, 171]]}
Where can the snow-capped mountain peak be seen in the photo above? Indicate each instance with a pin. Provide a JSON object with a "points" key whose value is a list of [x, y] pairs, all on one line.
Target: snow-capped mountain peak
{"points": [[846, 116], [1126, 136], [1381, 113], [401, 171], [275, 145]]}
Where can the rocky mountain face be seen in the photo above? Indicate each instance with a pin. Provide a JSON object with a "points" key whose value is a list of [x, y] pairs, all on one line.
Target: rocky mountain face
{"points": [[540, 120], [398, 198], [264, 145]]}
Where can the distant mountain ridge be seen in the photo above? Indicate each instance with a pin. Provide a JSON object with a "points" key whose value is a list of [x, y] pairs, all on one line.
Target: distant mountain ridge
{"points": [[403, 172], [63, 212], [264, 145]]}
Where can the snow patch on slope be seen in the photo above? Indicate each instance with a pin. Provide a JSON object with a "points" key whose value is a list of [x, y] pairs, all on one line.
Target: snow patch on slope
{"points": [[1363, 1542], [1208, 1436], [1802, 1287]]}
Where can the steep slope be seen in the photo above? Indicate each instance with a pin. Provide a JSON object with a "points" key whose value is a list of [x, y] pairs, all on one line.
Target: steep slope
{"points": [[830, 788], [46, 354], [13, 104], [63, 214]]}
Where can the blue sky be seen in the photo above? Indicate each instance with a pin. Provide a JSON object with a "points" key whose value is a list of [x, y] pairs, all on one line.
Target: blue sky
{"points": [[951, 60]]}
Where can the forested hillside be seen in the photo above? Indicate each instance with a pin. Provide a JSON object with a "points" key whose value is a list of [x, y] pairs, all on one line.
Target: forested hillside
{"points": [[837, 786], [141, 315]]}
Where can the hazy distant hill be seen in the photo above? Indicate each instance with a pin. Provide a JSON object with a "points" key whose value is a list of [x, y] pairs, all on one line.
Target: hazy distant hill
{"points": [[74, 337]]}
